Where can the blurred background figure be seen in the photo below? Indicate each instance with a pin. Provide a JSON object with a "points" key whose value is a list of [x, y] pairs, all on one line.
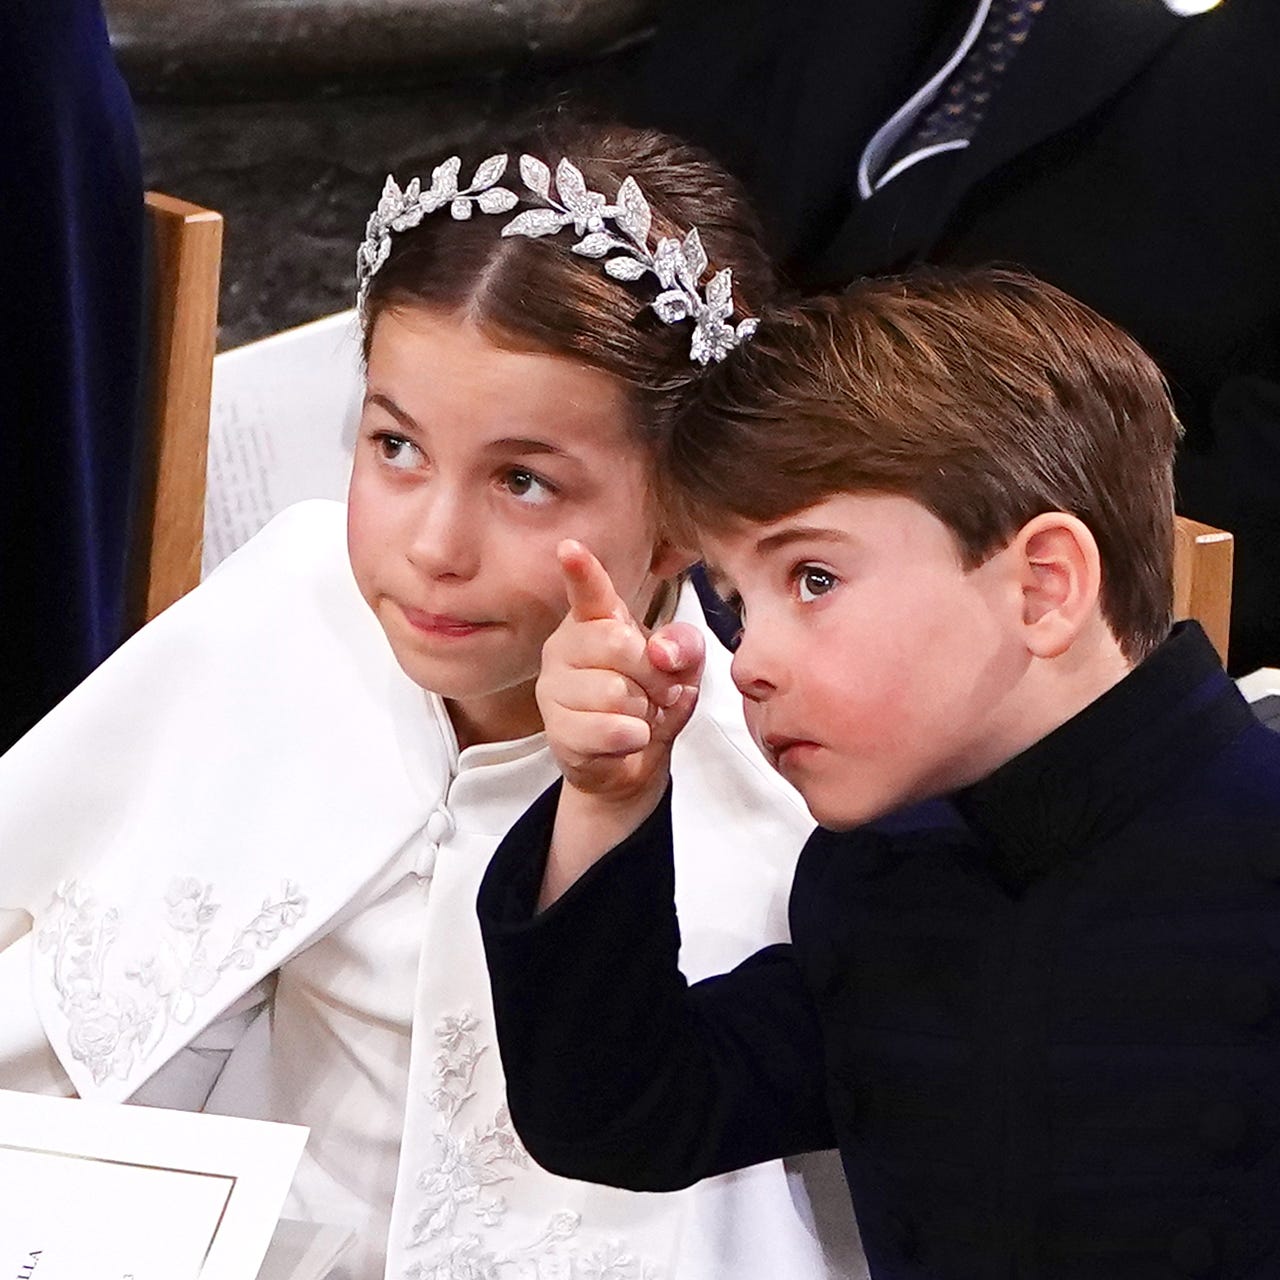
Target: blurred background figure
{"points": [[71, 222], [1125, 150]]}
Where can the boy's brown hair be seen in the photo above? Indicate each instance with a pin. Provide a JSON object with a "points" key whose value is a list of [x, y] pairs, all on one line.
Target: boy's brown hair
{"points": [[987, 396]]}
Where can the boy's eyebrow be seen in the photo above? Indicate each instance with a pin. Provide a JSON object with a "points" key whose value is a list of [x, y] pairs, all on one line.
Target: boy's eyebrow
{"points": [[799, 533]]}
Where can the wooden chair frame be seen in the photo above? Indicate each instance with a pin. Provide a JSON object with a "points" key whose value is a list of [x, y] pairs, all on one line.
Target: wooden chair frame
{"points": [[1202, 563], [186, 256]]}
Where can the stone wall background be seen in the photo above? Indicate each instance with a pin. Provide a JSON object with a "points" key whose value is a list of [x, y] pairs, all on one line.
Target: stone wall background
{"points": [[295, 165]]}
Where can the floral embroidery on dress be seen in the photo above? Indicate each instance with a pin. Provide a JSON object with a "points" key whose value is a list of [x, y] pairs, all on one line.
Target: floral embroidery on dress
{"points": [[111, 1030], [461, 1199]]}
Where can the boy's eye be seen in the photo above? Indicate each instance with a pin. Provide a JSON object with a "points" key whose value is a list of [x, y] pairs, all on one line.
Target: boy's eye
{"points": [[397, 451], [812, 582], [528, 486]]}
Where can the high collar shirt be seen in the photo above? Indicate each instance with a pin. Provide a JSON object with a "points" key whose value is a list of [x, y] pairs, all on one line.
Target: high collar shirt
{"points": [[250, 849]]}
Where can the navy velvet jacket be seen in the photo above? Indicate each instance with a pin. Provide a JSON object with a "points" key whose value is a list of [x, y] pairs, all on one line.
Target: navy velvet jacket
{"points": [[1039, 1018]]}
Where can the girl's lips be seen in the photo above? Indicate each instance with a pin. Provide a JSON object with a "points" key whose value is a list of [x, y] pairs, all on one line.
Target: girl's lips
{"points": [[443, 624]]}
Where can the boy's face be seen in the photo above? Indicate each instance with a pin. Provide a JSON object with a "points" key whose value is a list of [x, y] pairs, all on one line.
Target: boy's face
{"points": [[472, 463], [875, 670]]}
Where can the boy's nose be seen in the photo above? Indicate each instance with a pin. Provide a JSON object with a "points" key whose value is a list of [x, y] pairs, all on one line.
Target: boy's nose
{"points": [[752, 670]]}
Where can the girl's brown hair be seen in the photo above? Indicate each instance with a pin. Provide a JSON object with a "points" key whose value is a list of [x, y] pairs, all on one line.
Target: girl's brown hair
{"points": [[535, 294], [987, 396]]}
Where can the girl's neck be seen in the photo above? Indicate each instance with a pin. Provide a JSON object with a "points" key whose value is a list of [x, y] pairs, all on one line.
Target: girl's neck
{"points": [[496, 717]]}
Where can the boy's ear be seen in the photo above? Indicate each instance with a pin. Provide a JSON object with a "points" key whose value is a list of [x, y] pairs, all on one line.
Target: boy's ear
{"points": [[670, 559], [1061, 579]]}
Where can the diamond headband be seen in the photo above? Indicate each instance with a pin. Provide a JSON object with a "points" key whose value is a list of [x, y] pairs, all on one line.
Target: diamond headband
{"points": [[617, 233]]}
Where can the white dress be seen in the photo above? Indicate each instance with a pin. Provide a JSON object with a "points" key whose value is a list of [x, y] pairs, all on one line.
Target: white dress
{"points": [[251, 850]]}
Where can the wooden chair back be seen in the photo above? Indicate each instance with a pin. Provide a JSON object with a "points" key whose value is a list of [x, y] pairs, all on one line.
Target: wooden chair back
{"points": [[186, 259], [1202, 559]]}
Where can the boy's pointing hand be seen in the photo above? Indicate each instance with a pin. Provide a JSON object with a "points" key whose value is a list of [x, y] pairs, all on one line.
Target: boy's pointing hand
{"points": [[612, 697]]}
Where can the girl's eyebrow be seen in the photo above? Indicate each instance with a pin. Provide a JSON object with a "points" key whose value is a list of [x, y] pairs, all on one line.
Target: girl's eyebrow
{"points": [[385, 402], [508, 444], [525, 444]]}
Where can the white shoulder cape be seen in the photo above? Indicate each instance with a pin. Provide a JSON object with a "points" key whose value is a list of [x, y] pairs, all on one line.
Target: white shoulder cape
{"points": [[207, 800]]}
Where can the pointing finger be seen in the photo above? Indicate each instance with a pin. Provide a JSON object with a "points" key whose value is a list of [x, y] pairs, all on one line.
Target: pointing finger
{"points": [[589, 588]]}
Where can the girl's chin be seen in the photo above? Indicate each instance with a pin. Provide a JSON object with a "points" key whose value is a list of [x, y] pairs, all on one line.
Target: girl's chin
{"points": [[458, 680]]}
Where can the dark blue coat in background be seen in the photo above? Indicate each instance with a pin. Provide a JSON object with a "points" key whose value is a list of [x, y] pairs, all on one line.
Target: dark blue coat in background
{"points": [[1040, 1018], [71, 263], [1129, 156]]}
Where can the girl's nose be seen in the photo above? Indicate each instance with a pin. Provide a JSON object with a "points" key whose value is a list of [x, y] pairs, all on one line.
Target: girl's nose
{"points": [[445, 539]]}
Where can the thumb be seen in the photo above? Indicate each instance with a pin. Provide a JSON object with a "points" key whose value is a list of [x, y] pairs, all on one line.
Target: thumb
{"points": [[588, 586], [678, 649]]}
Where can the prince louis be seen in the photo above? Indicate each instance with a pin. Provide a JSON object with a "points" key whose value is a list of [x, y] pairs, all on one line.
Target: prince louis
{"points": [[1031, 992]]}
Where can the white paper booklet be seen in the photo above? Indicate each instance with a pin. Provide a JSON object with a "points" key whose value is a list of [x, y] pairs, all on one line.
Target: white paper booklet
{"points": [[282, 427], [101, 1191]]}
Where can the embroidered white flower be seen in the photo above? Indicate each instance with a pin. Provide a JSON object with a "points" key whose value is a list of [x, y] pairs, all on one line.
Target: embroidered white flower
{"points": [[455, 1031], [189, 907], [104, 1033], [612, 1262], [460, 1199], [262, 931], [111, 1027], [463, 1261]]}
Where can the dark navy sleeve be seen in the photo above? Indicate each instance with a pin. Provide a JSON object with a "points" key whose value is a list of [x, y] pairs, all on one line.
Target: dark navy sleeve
{"points": [[618, 1071]]}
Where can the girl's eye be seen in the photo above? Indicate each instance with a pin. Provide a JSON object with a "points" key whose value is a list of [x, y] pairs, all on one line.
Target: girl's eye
{"points": [[812, 582], [396, 451], [528, 486]]}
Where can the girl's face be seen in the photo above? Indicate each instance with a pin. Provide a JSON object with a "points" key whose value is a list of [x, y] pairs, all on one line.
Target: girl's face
{"points": [[472, 463]]}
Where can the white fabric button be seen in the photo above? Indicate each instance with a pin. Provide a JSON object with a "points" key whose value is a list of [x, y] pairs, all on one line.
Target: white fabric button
{"points": [[440, 826]]}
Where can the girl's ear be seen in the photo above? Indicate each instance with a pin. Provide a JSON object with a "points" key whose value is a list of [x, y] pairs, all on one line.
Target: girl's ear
{"points": [[1060, 572], [668, 562], [669, 559]]}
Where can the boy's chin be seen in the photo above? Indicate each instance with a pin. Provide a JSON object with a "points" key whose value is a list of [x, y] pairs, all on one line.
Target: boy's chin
{"points": [[843, 817], [849, 811], [844, 821]]}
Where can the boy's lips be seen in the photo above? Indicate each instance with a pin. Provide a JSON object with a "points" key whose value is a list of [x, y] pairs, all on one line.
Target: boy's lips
{"points": [[782, 749], [443, 624]]}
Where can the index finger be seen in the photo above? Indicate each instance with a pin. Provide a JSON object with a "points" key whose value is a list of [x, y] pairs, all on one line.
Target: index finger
{"points": [[588, 585]]}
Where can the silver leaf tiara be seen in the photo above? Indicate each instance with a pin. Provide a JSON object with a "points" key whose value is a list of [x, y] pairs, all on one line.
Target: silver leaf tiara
{"points": [[618, 233]]}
